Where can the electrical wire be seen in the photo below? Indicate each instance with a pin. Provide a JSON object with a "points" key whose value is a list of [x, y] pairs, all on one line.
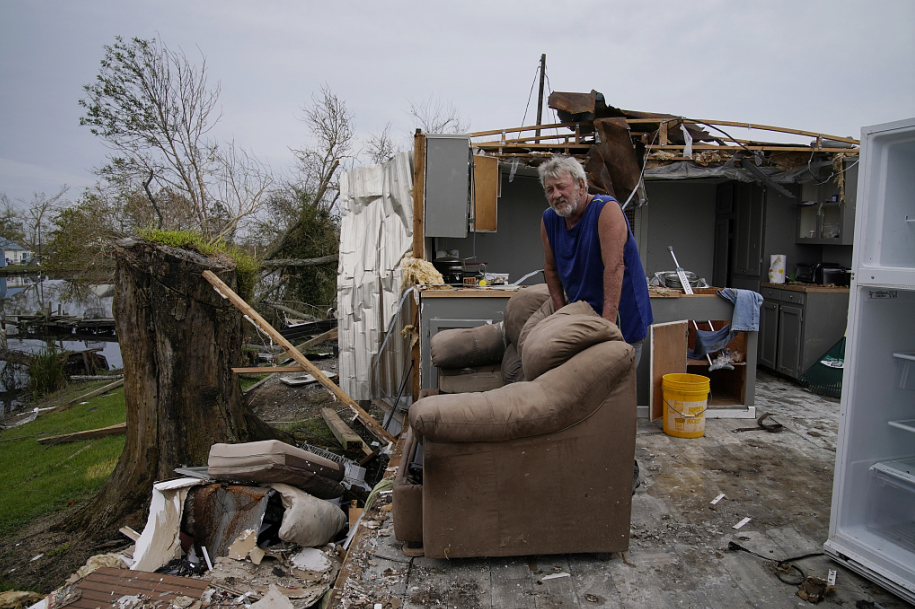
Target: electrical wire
{"points": [[530, 95], [782, 567]]}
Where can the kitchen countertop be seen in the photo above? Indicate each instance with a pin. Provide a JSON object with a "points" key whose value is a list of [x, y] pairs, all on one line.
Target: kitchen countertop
{"points": [[806, 288]]}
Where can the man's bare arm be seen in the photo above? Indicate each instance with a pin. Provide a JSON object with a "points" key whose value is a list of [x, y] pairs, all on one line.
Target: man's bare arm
{"points": [[613, 234], [550, 273]]}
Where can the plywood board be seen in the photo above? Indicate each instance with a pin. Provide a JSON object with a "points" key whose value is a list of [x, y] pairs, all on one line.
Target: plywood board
{"points": [[668, 355], [485, 194]]}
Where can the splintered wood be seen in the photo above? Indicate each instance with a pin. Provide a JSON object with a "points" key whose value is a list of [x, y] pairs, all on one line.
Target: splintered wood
{"points": [[371, 424]]}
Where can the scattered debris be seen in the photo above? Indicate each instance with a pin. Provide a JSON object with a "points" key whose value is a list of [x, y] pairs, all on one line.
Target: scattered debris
{"points": [[15, 599], [814, 589], [741, 524]]}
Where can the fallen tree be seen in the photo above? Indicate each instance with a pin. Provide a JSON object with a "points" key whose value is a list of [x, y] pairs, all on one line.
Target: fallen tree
{"points": [[179, 341]]}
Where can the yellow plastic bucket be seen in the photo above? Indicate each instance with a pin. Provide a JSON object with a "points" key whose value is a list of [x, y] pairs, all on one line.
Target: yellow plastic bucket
{"points": [[685, 401]]}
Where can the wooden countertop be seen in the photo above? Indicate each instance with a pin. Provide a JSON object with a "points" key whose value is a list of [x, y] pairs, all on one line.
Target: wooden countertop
{"points": [[459, 292], [807, 288]]}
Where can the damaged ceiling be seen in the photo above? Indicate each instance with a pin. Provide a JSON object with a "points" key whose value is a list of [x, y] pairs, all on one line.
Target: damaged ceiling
{"points": [[619, 148]]}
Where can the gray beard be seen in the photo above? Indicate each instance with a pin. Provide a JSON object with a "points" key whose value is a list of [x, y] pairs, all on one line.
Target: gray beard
{"points": [[569, 210]]}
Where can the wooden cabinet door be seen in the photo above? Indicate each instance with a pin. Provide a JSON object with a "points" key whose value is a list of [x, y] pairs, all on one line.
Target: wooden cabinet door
{"points": [[668, 355], [748, 242], [790, 331], [768, 334]]}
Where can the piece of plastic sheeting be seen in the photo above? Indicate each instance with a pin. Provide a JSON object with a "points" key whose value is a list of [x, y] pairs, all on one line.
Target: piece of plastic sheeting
{"points": [[160, 542], [376, 230], [307, 521]]}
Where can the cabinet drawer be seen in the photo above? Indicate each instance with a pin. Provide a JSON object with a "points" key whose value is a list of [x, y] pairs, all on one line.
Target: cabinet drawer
{"points": [[798, 298], [771, 294]]}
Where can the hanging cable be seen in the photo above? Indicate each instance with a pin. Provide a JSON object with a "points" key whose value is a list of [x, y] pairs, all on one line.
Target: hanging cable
{"points": [[531, 94]]}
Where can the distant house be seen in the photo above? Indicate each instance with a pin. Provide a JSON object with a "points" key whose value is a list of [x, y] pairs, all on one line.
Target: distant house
{"points": [[14, 253]]}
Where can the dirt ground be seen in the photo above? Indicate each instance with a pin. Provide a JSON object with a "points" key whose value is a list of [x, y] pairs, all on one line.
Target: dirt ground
{"points": [[61, 554]]}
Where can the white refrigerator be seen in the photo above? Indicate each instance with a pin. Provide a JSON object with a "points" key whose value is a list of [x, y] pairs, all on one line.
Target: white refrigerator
{"points": [[872, 524]]}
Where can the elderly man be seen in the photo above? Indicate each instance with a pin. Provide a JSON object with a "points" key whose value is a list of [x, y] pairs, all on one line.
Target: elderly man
{"points": [[590, 253]]}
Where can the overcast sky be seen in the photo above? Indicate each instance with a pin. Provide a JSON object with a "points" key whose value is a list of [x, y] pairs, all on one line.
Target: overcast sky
{"points": [[826, 66]]}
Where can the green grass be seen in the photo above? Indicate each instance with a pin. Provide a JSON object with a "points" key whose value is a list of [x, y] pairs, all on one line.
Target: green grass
{"points": [[37, 479], [246, 267]]}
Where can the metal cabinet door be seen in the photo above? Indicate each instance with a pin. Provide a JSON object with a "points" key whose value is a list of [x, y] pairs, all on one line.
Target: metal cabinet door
{"points": [[768, 334], [790, 345]]}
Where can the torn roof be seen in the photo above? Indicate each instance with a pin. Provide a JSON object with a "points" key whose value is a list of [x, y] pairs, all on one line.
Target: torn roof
{"points": [[619, 148]]}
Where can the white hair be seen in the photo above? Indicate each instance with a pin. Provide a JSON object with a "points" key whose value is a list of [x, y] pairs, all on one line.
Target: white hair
{"points": [[558, 166]]}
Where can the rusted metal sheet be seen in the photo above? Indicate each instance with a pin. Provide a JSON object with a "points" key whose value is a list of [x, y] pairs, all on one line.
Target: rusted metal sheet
{"points": [[573, 103], [619, 156], [216, 515]]}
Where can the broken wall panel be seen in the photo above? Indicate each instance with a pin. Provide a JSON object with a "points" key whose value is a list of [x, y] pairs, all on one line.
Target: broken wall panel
{"points": [[376, 230]]}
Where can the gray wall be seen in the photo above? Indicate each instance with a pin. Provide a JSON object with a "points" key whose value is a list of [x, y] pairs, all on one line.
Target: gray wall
{"points": [[680, 214], [516, 247]]}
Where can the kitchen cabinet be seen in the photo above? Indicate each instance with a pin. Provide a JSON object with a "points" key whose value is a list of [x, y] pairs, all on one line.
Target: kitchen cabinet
{"points": [[750, 223], [798, 324], [823, 218]]}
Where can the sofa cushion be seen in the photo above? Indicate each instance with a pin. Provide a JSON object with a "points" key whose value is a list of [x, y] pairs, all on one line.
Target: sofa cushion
{"points": [[468, 347], [520, 307], [546, 309], [511, 366], [560, 336]]}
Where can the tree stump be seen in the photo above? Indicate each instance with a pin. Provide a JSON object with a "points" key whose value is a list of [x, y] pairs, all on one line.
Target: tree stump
{"points": [[179, 340]]}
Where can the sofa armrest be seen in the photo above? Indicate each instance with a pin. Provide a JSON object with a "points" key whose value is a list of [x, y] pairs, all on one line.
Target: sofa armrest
{"points": [[558, 399], [468, 347]]}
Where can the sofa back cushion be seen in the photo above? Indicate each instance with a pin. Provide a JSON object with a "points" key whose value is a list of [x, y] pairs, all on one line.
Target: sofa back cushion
{"points": [[546, 309], [520, 307], [560, 336]]}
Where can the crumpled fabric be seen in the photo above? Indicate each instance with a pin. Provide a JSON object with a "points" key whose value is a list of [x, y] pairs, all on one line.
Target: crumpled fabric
{"points": [[744, 319]]}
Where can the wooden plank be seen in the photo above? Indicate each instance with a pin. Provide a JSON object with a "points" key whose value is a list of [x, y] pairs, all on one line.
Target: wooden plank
{"points": [[485, 193], [90, 395], [344, 434], [668, 355], [520, 129], [317, 340], [367, 419], [76, 436], [270, 369], [103, 587]]}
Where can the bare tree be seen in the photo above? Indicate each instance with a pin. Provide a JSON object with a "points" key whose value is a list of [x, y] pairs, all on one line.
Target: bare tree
{"points": [[318, 165], [155, 110], [436, 116], [381, 146], [38, 215]]}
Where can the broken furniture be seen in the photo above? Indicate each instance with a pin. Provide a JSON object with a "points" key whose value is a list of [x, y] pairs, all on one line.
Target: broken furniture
{"points": [[540, 466], [271, 461], [732, 391]]}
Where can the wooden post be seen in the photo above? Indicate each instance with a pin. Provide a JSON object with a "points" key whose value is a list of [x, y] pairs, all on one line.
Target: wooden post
{"points": [[344, 434], [419, 194], [540, 97], [294, 353]]}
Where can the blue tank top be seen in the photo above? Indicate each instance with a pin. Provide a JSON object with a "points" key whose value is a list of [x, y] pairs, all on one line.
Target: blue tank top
{"points": [[577, 254]]}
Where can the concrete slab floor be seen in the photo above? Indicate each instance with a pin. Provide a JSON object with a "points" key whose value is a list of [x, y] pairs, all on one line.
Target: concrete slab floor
{"points": [[678, 553]]}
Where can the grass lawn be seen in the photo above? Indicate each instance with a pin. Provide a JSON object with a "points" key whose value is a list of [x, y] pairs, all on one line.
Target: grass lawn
{"points": [[38, 479]]}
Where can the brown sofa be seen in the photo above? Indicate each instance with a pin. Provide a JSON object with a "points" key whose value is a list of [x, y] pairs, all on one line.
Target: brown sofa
{"points": [[540, 466]]}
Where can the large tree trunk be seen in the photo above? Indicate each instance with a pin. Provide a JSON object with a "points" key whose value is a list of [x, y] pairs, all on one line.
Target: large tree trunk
{"points": [[179, 339]]}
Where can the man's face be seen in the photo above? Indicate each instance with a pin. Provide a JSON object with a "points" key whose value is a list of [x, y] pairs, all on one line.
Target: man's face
{"points": [[564, 194]]}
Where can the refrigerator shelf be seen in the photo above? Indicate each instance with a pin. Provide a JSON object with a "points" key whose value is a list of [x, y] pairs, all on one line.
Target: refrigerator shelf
{"points": [[904, 424], [903, 470]]}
